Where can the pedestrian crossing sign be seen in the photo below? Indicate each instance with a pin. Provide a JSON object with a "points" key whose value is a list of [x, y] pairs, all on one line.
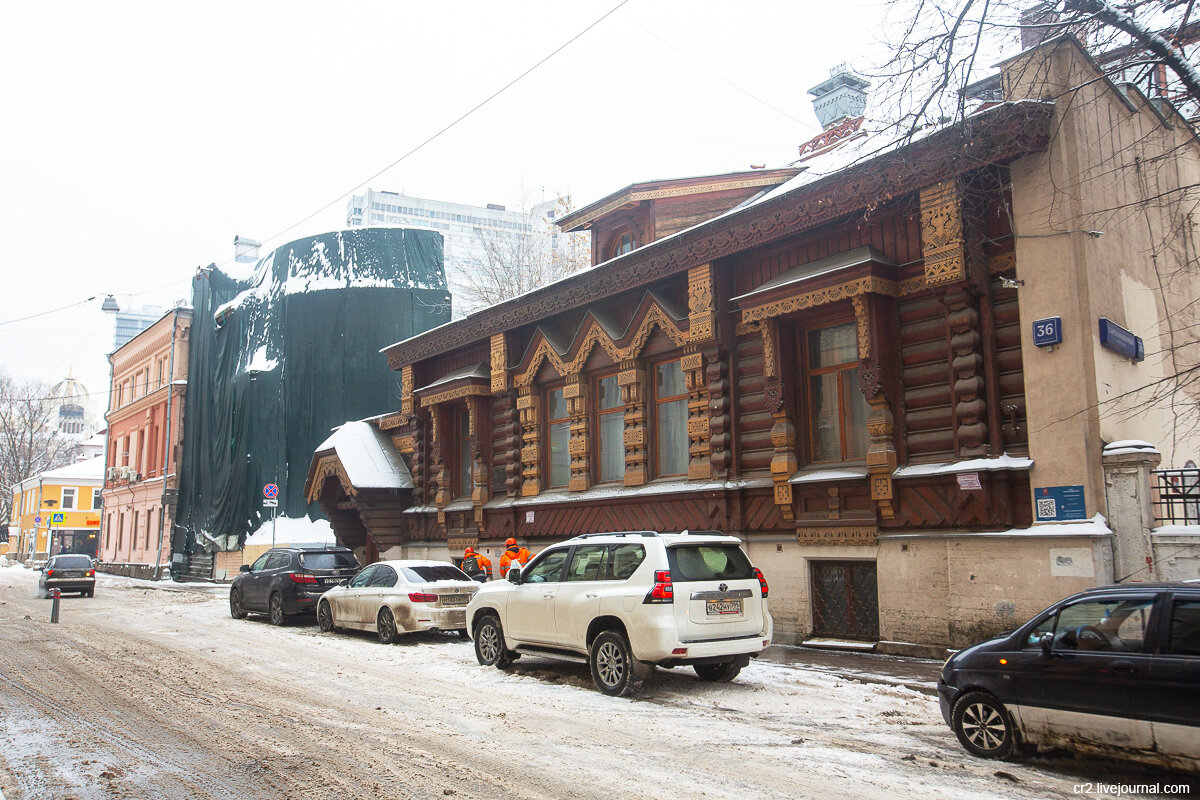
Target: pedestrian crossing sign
{"points": [[57, 518]]}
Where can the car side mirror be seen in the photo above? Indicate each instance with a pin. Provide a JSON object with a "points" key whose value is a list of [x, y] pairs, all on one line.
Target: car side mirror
{"points": [[244, 568], [514, 575], [1046, 641]]}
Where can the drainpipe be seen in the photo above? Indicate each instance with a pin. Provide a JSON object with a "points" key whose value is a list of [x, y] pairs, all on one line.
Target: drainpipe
{"points": [[162, 508]]}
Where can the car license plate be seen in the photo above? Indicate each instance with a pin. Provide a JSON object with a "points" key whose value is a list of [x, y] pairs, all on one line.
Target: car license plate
{"points": [[718, 608], [455, 599]]}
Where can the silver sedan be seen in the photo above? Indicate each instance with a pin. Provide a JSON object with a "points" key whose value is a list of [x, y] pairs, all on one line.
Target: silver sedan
{"points": [[395, 597]]}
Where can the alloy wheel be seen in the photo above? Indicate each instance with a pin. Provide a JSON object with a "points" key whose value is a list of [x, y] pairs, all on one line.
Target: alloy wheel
{"points": [[983, 726], [610, 663]]}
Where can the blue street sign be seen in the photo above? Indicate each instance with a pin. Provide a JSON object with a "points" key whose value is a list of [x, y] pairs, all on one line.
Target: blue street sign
{"points": [[1047, 332], [270, 491], [37, 520], [57, 518], [1059, 503], [1114, 337]]}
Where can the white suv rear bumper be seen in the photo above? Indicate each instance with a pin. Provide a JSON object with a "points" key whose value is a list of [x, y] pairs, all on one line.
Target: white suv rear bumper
{"points": [[657, 641]]}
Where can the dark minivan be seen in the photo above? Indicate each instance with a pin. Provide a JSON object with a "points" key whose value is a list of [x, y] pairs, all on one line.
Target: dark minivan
{"points": [[289, 580], [1111, 671]]}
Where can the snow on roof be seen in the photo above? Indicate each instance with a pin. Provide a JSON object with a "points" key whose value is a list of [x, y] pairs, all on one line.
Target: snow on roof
{"points": [[821, 266], [90, 470], [477, 370], [370, 459]]}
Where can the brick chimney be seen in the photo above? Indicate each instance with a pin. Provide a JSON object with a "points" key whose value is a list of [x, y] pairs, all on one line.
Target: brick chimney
{"points": [[1032, 22]]}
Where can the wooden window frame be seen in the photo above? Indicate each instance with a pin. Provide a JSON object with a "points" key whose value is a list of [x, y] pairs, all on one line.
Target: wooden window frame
{"points": [[547, 424], [460, 424], [805, 415], [656, 401], [596, 414]]}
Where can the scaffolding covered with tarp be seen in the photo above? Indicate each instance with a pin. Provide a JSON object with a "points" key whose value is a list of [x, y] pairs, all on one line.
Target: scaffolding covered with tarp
{"points": [[282, 353]]}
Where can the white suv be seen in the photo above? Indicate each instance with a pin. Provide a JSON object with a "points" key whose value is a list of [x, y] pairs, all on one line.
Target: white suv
{"points": [[627, 602]]}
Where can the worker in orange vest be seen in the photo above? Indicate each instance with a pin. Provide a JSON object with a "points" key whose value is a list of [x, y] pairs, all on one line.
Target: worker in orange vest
{"points": [[512, 553], [476, 565]]}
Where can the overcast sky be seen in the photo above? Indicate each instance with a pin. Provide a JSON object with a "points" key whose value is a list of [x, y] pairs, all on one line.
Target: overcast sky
{"points": [[140, 139]]}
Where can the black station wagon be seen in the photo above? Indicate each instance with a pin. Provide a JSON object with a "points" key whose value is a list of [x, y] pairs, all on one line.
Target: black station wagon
{"points": [[1112, 671]]}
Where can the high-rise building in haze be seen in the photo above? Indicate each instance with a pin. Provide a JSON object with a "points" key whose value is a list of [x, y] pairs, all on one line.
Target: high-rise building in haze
{"points": [[130, 323]]}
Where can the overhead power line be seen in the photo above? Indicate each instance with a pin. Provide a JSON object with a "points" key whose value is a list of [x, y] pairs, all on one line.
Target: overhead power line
{"points": [[459, 119]]}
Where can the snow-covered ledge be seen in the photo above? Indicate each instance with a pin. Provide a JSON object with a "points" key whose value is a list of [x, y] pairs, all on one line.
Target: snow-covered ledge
{"points": [[1004, 462], [821, 475]]}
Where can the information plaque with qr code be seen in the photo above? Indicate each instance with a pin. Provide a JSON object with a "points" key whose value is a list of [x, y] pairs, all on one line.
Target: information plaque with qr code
{"points": [[1059, 503]]}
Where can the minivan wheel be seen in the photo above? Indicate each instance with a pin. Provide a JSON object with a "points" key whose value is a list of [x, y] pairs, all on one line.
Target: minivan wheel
{"points": [[983, 726], [324, 616], [236, 610], [489, 644], [275, 610], [386, 625], [612, 664], [720, 673]]}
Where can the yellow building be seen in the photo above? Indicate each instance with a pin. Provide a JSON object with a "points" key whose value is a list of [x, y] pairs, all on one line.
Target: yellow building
{"points": [[58, 511]]}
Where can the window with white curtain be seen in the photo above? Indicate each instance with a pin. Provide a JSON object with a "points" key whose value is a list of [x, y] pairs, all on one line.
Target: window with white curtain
{"points": [[610, 425], [670, 418], [559, 435]]}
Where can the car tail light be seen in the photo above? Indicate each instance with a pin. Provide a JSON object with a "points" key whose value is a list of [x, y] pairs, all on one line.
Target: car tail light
{"points": [[301, 577], [679, 651], [49, 572], [662, 591], [422, 597], [762, 582], [91, 573]]}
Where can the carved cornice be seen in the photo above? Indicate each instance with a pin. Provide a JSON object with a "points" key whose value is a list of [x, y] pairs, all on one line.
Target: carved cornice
{"points": [[591, 334], [820, 297], [582, 218], [471, 390], [392, 421], [328, 465], [997, 135], [856, 534]]}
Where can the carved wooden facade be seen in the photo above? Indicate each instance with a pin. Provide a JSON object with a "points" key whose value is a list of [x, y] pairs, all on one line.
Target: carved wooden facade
{"points": [[891, 248]]}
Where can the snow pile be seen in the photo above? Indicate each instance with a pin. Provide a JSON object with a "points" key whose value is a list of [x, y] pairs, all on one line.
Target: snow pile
{"points": [[1004, 462], [290, 530]]}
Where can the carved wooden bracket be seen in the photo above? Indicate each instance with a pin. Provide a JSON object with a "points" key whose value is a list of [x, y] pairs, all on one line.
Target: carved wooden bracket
{"points": [[942, 233], [632, 380], [406, 389], [702, 317], [881, 454], [575, 393], [528, 407], [698, 421], [783, 463], [481, 483], [499, 364]]}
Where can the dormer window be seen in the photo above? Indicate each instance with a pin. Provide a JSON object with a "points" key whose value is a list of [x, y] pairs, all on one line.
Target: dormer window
{"points": [[622, 243]]}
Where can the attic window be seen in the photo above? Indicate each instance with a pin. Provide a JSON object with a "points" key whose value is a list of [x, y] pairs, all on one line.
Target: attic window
{"points": [[622, 243]]}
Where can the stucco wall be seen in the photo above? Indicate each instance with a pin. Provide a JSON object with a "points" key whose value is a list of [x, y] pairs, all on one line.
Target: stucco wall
{"points": [[1113, 167], [958, 590]]}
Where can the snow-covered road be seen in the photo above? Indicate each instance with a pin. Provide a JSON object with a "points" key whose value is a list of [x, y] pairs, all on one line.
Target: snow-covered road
{"points": [[143, 692]]}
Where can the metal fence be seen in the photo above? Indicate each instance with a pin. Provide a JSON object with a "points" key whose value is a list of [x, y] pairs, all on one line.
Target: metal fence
{"points": [[1178, 500]]}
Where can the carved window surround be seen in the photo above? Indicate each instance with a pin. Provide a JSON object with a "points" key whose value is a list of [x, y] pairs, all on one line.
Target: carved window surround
{"points": [[475, 390], [651, 313], [326, 466]]}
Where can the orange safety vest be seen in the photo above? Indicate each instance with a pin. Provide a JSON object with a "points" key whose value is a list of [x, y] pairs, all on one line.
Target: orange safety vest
{"points": [[521, 557]]}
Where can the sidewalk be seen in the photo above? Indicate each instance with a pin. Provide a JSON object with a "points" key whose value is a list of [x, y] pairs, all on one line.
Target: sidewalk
{"points": [[918, 674]]}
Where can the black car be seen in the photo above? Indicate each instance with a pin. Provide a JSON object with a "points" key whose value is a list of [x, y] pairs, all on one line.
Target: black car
{"points": [[289, 580], [68, 573], [1111, 671]]}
